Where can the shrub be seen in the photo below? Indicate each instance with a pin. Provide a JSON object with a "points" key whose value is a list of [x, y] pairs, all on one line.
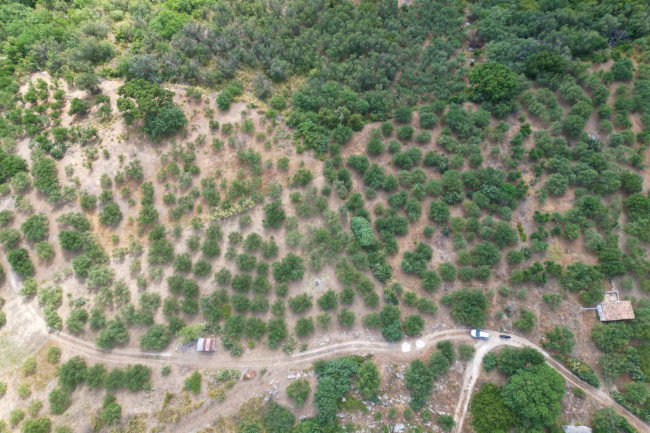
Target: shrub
{"points": [[560, 340], [418, 379], [115, 334], [405, 132], [403, 114], [44, 250], [36, 425], [157, 337], [298, 391], [466, 351], [584, 279], [375, 147], [556, 184], [387, 129], [391, 325], [583, 371], [277, 419], [277, 332], [35, 227], [428, 120], [423, 137], [526, 322], [413, 325], [430, 280], [111, 214], [489, 361], [489, 414], [95, 376], [274, 214], [136, 377], [59, 401], [29, 366], [72, 373], [447, 271], [346, 317], [446, 422], [16, 416], [291, 268], [439, 211], [53, 355], [511, 360], [362, 231], [111, 413], [77, 320], [78, 106], [20, 262], [304, 327], [327, 301]]}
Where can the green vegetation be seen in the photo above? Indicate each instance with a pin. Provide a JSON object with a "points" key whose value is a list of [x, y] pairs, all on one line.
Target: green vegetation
{"points": [[298, 391], [335, 125]]}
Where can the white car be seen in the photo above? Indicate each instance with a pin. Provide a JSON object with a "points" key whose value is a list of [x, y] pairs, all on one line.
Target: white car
{"points": [[477, 333]]}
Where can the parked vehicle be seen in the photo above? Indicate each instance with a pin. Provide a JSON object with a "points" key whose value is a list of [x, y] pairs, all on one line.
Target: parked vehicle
{"points": [[477, 333], [507, 337]]}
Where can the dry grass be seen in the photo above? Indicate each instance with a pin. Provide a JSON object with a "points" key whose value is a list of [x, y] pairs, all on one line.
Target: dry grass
{"points": [[173, 408], [554, 252]]}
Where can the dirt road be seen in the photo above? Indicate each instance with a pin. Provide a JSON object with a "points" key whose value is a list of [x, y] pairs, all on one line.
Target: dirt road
{"points": [[222, 359]]}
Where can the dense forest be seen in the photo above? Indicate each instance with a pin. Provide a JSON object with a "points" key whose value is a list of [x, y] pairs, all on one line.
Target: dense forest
{"points": [[274, 173]]}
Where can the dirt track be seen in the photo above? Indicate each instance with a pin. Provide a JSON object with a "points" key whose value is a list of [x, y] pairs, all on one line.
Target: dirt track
{"points": [[222, 359]]}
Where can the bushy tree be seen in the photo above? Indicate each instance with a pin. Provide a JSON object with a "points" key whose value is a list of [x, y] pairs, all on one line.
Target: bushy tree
{"points": [[489, 413], [494, 82], [274, 214], [72, 373], [278, 419], [438, 363], [20, 262], [534, 395], [291, 268], [35, 227], [510, 360], [391, 324], [585, 280], [368, 380], [418, 379], [560, 340], [467, 307], [556, 184], [607, 420]]}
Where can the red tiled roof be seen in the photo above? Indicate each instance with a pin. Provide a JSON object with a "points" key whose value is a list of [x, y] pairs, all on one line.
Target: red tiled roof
{"points": [[617, 310]]}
